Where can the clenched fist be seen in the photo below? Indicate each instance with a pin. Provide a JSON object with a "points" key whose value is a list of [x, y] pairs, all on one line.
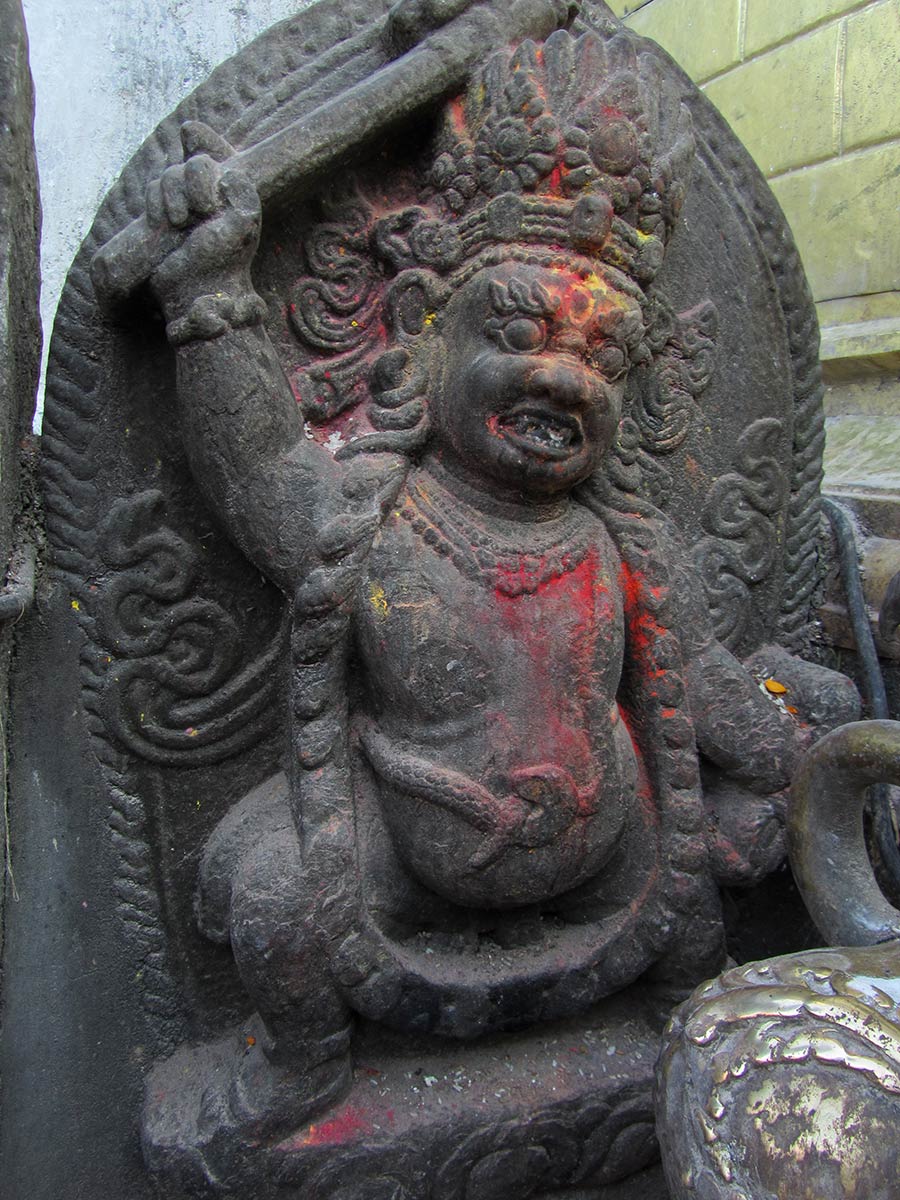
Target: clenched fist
{"points": [[218, 209]]}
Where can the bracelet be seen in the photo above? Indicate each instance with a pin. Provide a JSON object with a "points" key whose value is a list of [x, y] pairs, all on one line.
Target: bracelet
{"points": [[212, 315]]}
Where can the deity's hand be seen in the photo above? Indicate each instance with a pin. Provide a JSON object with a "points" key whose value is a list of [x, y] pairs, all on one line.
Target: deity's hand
{"points": [[218, 210], [411, 20]]}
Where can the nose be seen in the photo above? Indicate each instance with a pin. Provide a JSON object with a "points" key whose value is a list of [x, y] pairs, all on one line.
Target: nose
{"points": [[567, 384]]}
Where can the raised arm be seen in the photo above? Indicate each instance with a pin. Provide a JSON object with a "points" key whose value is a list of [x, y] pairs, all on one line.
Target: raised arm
{"points": [[241, 426]]}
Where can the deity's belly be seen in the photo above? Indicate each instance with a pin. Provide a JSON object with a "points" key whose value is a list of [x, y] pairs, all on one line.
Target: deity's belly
{"points": [[501, 839], [505, 772]]}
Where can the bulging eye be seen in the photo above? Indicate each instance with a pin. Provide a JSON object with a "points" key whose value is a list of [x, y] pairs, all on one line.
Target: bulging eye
{"points": [[611, 361], [523, 335]]}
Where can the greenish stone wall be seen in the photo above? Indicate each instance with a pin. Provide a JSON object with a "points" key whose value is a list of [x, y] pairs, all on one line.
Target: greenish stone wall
{"points": [[812, 88]]}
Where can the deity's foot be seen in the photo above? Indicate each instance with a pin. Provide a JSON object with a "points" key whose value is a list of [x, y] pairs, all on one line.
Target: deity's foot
{"points": [[207, 1106]]}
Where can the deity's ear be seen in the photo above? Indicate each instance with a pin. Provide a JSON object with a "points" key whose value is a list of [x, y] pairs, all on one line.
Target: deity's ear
{"points": [[413, 303]]}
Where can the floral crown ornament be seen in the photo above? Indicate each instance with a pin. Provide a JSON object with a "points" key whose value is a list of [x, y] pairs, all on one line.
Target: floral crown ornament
{"points": [[567, 144]]}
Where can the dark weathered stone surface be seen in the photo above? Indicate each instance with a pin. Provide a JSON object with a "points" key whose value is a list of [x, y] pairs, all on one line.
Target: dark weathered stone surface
{"points": [[20, 349], [20, 331], [416, 732]]}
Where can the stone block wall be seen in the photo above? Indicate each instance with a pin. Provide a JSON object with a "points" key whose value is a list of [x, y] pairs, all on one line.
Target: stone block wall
{"points": [[812, 87]]}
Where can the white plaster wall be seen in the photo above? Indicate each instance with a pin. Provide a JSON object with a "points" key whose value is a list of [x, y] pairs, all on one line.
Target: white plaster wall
{"points": [[106, 72]]}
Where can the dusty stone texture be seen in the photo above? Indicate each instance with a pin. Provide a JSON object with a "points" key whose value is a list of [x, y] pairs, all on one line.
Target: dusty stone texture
{"points": [[20, 339], [20, 336], [179, 578]]}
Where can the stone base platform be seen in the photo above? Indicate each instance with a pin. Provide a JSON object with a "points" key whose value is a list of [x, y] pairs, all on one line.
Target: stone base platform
{"points": [[565, 1112]]}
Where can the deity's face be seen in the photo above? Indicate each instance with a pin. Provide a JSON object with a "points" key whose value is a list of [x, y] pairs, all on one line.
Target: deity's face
{"points": [[534, 377]]}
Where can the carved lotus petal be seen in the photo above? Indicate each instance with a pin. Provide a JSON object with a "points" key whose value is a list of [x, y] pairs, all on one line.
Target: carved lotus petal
{"points": [[619, 195], [496, 180], [527, 174], [577, 138], [580, 178], [443, 170], [576, 158], [436, 244], [511, 141], [466, 185]]}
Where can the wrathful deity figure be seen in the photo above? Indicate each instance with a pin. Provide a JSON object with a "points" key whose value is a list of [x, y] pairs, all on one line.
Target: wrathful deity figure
{"points": [[503, 672]]}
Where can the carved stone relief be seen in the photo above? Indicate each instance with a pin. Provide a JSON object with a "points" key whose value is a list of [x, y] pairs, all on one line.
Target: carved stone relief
{"points": [[376, 508]]}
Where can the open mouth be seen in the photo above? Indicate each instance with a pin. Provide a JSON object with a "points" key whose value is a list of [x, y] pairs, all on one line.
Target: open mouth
{"points": [[537, 430]]}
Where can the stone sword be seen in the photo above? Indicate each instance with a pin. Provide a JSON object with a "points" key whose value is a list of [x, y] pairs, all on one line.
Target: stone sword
{"points": [[316, 141]]}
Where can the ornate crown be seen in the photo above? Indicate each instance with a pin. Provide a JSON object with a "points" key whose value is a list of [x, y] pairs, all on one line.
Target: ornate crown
{"points": [[561, 144]]}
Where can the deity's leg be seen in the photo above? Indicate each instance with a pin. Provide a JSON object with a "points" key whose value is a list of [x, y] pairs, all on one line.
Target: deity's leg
{"points": [[299, 1057], [291, 1058]]}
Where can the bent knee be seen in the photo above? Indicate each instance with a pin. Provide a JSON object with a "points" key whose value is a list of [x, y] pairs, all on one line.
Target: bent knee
{"points": [[248, 853]]}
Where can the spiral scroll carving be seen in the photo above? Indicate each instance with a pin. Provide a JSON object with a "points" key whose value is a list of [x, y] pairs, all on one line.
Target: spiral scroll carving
{"points": [[739, 517], [175, 690]]}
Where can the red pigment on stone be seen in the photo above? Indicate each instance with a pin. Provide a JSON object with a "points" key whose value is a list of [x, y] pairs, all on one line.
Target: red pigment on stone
{"points": [[458, 114], [339, 1129], [568, 600], [643, 628]]}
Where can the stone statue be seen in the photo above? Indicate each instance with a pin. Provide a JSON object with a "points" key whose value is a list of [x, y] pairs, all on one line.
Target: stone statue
{"points": [[522, 756]]}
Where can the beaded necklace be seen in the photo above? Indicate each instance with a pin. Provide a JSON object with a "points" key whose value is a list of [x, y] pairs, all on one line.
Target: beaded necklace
{"points": [[515, 557]]}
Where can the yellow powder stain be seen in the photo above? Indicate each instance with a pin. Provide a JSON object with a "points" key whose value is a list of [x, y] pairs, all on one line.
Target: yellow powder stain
{"points": [[430, 318], [378, 599], [76, 606]]}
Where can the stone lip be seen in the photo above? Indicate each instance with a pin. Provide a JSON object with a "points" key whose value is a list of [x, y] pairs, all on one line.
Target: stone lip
{"points": [[20, 222], [863, 454]]}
